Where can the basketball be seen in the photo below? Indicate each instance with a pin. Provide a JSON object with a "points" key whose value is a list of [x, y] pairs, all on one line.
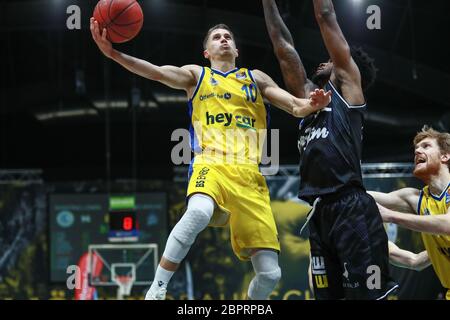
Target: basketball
{"points": [[122, 19]]}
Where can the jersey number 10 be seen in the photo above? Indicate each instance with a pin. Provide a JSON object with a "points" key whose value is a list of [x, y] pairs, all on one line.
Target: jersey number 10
{"points": [[251, 92]]}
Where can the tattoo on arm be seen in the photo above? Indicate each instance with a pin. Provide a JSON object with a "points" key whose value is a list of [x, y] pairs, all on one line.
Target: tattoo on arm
{"points": [[325, 6], [276, 27], [292, 69]]}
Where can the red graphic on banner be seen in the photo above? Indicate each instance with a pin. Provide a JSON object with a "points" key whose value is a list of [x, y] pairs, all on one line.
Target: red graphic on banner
{"points": [[86, 292]]}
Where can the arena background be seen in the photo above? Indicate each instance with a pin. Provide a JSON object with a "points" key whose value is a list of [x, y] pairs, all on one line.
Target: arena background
{"points": [[73, 123]]}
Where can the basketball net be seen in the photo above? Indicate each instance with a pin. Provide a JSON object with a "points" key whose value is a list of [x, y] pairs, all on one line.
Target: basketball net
{"points": [[125, 283]]}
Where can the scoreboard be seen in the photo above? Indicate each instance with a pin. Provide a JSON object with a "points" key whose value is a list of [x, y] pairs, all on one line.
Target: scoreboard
{"points": [[78, 220]]}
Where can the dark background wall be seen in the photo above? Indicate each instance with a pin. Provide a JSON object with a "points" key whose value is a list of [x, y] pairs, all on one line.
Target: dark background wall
{"points": [[48, 70]]}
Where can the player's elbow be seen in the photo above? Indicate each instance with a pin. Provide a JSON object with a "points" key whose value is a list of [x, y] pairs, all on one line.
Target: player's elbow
{"points": [[418, 265], [155, 74], [412, 262], [346, 51]]}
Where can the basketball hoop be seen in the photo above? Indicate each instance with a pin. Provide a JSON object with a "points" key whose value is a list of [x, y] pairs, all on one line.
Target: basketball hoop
{"points": [[122, 262], [125, 283]]}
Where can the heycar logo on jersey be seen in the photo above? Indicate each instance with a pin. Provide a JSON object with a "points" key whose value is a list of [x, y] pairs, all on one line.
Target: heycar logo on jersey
{"points": [[226, 118], [311, 134]]}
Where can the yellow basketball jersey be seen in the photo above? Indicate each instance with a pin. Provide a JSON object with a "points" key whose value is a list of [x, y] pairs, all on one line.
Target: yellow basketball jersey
{"points": [[229, 118], [438, 246]]}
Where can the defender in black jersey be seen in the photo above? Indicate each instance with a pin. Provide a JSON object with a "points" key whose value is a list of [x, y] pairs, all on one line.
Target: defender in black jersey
{"points": [[349, 246]]}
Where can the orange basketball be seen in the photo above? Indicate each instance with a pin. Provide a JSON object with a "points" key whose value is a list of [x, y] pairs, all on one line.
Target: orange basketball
{"points": [[122, 19]]}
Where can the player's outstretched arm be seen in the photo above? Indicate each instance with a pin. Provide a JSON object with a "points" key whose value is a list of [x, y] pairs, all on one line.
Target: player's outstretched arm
{"points": [[407, 259], [292, 68], [178, 78], [404, 200], [435, 224], [282, 99], [346, 72], [334, 39]]}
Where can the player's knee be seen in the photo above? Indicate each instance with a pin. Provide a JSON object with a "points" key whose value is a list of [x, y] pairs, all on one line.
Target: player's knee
{"points": [[263, 284], [271, 278], [190, 225]]}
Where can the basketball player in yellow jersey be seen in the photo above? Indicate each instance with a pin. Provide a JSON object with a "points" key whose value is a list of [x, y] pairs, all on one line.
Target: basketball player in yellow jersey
{"points": [[431, 205], [222, 97]]}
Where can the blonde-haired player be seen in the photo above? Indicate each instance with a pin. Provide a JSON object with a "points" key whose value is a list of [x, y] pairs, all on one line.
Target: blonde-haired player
{"points": [[223, 176], [429, 208]]}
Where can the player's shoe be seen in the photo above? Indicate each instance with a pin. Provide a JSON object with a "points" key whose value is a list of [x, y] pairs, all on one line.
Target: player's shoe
{"points": [[158, 293]]}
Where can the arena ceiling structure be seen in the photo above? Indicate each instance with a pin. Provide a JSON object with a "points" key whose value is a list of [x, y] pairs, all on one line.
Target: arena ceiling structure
{"points": [[56, 85]]}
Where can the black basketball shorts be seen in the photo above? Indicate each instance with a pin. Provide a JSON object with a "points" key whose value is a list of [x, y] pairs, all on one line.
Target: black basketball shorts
{"points": [[349, 248]]}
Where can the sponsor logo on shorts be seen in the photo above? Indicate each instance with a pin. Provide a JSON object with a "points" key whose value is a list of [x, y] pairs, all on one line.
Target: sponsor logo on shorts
{"points": [[345, 274], [373, 280], [200, 183], [319, 272], [347, 283]]}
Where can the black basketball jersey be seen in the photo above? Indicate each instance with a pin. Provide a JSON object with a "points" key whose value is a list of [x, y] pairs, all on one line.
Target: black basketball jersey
{"points": [[330, 145]]}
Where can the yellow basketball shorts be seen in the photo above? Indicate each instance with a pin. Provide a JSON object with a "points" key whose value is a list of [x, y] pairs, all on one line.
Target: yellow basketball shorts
{"points": [[243, 201]]}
